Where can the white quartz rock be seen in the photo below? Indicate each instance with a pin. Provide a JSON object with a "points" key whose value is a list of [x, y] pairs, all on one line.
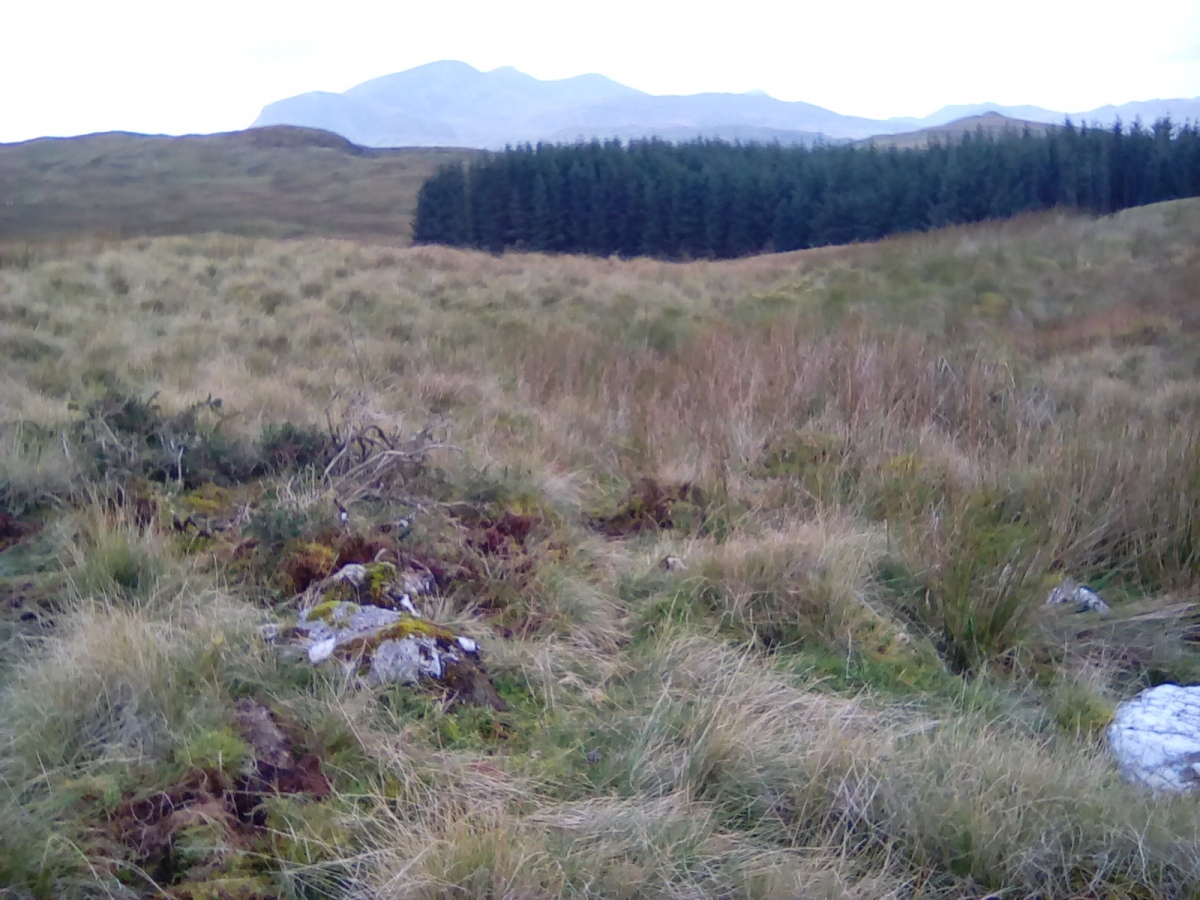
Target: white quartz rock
{"points": [[1084, 598], [319, 651], [1156, 738]]}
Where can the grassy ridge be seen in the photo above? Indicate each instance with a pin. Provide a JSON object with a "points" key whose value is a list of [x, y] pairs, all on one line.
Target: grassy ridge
{"points": [[273, 182], [988, 123], [874, 460]]}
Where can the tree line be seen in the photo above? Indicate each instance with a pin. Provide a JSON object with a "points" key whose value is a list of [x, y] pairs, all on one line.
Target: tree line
{"points": [[710, 199]]}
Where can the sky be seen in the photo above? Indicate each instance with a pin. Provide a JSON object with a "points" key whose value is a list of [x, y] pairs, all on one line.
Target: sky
{"points": [[184, 66]]}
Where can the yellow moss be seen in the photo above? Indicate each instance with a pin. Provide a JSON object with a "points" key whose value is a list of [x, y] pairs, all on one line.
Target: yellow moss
{"points": [[327, 556], [410, 626], [208, 500], [213, 749], [308, 563], [406, 627], [326, 610]]}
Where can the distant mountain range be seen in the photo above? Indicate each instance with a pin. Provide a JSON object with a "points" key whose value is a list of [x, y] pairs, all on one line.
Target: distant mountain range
{"points": [[452, 104]]}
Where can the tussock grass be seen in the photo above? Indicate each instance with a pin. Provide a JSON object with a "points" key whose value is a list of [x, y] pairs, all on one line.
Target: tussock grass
{"points": [[811, 582], [873, 461]]}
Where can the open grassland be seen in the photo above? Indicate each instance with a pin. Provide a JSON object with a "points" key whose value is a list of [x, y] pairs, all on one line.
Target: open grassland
{"points": [[268, 182], [875, 461]]}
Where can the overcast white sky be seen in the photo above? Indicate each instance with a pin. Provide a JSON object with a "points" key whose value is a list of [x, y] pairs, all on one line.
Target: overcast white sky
{"points": [[180, 66]]}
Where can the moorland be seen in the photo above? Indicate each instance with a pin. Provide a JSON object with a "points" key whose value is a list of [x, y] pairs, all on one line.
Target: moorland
{"points": [[280, 181], [871, 461]]}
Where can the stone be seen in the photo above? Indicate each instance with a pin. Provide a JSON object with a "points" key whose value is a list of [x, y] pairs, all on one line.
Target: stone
{"points": [[354, 574], [387, 645], [467, 644], [405, 661], [1156, 738], [258, 728], [408, 606], [1085, 598], [417, 583], [321, 650]]}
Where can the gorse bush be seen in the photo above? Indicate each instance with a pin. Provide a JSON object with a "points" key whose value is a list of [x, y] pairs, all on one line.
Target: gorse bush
{"points": [[288, 447], [124, 435]]}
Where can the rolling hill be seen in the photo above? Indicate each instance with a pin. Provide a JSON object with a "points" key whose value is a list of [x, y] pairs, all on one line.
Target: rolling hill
{"points": [[988, 122], [271, 182]]}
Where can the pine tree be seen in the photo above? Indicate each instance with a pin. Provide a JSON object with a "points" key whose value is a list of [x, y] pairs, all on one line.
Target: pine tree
{"points": [[711, 199], [542, 229]]}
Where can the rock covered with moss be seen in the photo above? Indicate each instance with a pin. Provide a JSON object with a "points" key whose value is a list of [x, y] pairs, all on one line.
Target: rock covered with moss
{"points": [[361, 619]]}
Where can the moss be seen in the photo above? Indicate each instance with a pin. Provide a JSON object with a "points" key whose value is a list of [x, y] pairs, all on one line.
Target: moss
{"points": [[406, 627], [218, 749], [208, 500], [105, 789], [918, 675], [339, 592], [303, 833], [307, 563], [205, 843], [329, 610], [380, 576]]}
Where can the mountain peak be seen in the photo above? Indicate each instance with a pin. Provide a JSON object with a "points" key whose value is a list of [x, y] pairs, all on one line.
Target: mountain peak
{"points": [[451, 103]]}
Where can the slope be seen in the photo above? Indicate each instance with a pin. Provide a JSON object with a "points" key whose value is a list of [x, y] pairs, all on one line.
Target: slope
{"points": [[280, 182]]}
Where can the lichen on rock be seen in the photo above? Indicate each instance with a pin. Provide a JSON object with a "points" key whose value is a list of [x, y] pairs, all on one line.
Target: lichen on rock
{"points": [[374, 584], [351, 617], [329, 611], [405, 661]]}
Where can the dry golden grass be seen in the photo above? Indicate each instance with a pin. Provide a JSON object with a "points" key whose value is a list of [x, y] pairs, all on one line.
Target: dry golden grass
{"points": [[852, 689]]}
